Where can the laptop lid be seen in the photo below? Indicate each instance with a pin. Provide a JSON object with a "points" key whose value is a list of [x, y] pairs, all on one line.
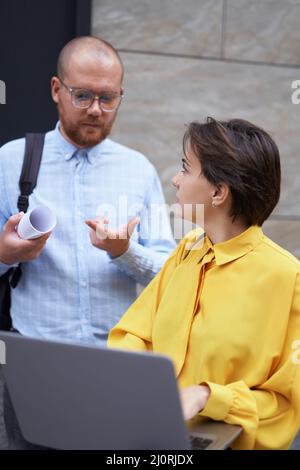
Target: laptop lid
{"points": [[75, 396], [69, 396]]}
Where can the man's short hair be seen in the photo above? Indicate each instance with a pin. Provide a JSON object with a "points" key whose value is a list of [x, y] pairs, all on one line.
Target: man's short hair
{"points": [[92, 43]]}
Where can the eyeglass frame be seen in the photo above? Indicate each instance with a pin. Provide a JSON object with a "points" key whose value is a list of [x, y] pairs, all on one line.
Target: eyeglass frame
{"points": [[95, 96]]}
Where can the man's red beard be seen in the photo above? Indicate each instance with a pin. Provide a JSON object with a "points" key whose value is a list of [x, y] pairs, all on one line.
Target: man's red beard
{"points": [[83, 135]]}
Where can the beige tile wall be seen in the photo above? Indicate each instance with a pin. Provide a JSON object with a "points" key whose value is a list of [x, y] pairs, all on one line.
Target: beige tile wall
{"points": [[263, 30], [169, 26], [187, 59]]}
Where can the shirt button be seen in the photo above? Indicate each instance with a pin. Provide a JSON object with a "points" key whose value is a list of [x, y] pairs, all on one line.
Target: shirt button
{"points": [[83, 284]]}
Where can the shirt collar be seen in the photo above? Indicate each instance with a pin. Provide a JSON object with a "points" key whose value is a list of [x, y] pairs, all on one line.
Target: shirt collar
{"points": [[238, 246], [224, 252], [69, 150]]}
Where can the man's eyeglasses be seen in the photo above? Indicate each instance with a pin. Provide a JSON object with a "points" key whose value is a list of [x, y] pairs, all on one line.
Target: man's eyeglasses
{"points": [[82, 98]]}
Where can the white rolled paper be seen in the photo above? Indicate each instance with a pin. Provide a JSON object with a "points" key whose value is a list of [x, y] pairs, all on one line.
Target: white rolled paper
{"points": [[36, 222]]}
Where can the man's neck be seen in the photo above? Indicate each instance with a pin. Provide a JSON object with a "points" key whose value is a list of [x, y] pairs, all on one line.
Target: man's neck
{"points": [[65, 136]]}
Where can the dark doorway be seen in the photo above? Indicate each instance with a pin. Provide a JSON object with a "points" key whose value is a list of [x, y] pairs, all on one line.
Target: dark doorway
{"points": [[32, 32]]}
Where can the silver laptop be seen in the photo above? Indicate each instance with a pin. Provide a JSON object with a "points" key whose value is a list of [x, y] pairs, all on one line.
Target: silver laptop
{"points": [[73, 396]]}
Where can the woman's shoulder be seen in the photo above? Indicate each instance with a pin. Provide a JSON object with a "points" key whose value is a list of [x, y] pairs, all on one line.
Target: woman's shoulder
{"points": [[277, 255]]}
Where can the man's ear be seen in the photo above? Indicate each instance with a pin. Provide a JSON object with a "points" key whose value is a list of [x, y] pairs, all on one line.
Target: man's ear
{"points": [[55, 86]]}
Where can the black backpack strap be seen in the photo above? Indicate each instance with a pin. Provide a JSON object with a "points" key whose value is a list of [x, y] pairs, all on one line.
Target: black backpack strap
{"points": [[31, 164]]}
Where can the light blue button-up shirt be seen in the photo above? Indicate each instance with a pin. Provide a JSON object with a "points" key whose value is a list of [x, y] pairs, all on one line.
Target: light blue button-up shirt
{"points": [[75, 291]]}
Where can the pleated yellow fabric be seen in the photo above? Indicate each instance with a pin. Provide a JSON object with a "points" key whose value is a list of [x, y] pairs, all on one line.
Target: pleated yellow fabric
{"points": [[228, 315]]}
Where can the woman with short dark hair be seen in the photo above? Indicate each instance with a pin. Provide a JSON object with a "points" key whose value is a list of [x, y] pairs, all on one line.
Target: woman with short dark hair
{"points": [[226, 305]]}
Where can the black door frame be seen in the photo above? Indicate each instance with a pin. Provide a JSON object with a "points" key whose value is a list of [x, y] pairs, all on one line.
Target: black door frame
{"points": [[32, 32]]}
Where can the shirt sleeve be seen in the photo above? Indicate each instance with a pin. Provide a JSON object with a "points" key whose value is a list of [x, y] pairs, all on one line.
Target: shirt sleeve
{"points": [[4, 213], [146, 256], [134, 330], [269, 413]]}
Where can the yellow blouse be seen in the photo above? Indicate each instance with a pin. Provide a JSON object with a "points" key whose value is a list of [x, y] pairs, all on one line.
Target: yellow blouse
{"points": [[228, 315]]}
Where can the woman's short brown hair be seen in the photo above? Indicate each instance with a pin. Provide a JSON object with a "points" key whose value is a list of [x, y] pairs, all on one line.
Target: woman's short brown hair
{"points": [[244, 157]]}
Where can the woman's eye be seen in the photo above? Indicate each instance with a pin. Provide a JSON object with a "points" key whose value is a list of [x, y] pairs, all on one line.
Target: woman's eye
{"points": [[183, 166]]}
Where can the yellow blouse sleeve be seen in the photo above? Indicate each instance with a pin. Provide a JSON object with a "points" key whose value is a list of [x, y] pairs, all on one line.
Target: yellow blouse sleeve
{"points": [[134, 330], [270, 413]]}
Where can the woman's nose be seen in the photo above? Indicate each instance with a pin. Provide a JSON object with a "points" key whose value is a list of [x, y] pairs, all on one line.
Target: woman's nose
{"points": [[175, 180]]}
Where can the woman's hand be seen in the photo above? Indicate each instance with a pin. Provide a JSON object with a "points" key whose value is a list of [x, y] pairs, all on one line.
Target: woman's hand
{"points": [[193, 400]]}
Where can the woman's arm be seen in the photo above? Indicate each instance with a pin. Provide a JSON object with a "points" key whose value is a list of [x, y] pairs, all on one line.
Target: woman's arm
{"points": [[270, 412], [193, 399], [134, 330]]}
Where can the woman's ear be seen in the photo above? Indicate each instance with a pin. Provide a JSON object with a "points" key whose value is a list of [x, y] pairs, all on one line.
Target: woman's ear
{"points": [[220, 194]]}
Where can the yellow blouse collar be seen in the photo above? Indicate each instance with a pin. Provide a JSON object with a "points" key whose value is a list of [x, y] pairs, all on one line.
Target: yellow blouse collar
{"points": [[224, 252], [238, 246]]}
